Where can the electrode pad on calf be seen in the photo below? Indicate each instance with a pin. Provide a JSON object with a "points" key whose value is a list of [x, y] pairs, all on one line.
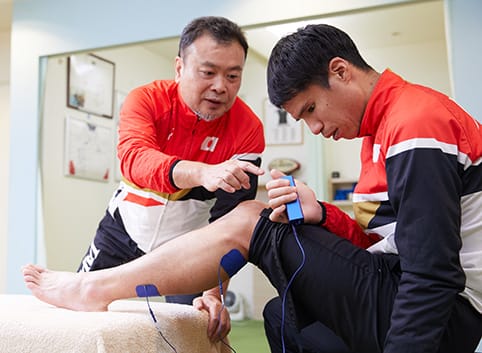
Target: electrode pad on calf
{"points": [[150, 290], [147, 290], [232, 262]]}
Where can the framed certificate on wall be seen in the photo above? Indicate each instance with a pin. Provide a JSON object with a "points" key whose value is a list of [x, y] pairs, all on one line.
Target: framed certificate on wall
{"points": [[90, 84]]}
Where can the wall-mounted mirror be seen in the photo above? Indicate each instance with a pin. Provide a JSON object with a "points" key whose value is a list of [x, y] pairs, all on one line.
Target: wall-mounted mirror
{"points": [[408, 38]]}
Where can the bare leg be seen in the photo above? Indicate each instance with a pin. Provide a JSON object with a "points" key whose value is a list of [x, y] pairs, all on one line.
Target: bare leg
{"points": [[187, 264]]}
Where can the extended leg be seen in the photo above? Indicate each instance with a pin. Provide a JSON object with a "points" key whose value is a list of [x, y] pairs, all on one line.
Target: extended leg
{"points": [[186, 264]]}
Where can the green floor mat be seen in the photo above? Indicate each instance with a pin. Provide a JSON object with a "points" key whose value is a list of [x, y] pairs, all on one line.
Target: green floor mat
{"points": [[248, 336]]}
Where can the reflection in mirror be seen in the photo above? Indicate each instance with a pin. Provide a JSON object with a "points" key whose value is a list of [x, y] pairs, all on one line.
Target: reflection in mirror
{"points": [[409, 38]]}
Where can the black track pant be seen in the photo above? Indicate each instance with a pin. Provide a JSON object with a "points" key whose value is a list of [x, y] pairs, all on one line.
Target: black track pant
{"points": [[347, 289], [314, 338]]}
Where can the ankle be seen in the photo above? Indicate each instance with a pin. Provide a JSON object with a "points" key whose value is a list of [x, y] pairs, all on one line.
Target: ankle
{"points": [[93, 294]]}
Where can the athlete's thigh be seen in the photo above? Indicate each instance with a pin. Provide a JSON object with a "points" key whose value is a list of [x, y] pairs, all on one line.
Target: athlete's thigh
{"points": [[345, 287]]}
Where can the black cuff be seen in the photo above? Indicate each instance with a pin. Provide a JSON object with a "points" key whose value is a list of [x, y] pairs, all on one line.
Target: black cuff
{"points": [[171, 179], [323, 213]]}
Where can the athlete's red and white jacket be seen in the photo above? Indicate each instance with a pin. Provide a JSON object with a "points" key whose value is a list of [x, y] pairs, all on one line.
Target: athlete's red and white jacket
{"points": [[156, 130], [420, 190]]}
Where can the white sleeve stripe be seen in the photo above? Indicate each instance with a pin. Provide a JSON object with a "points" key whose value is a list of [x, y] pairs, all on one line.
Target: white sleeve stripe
{"points": [[430, 143], [421, 143], [380, 196]]}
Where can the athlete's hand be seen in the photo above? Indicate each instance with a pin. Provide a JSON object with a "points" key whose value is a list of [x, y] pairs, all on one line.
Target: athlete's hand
{"points": [[280, 192], [219, 323]]}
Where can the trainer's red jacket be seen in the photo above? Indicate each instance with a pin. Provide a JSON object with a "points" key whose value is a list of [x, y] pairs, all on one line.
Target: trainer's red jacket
{"points": [[420, 190], [156, 130]]}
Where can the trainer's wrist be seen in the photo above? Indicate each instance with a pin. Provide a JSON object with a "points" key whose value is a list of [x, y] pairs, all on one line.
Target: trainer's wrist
{"points": [[214, 292]]}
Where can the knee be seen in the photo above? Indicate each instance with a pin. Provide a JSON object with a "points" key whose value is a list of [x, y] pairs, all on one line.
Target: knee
{"points": [[240, 222], [247, 213], [250, 209], [272, 312], [272, 316], [272, 323]]}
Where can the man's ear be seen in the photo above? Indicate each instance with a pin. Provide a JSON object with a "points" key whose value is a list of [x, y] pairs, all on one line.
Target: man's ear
{"points": [[178, 68], [339, 68]]}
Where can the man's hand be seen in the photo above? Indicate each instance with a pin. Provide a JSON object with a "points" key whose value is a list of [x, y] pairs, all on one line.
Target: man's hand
{"points": [[280, 192], [229, 176], [219, 321]]}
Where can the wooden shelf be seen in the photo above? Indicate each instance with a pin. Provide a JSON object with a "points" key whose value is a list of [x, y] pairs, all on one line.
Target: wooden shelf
{"points": [[340, 185], [338, 181]]}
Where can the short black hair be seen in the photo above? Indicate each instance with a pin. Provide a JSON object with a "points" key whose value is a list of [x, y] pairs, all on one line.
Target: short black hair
{"points": [[220, 28], [301, 59]]}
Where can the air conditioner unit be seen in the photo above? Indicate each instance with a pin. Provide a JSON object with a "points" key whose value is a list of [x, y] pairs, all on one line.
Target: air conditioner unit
{"points": [[235, 304]]}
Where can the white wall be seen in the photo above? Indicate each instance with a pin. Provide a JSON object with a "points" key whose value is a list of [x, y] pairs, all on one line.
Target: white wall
{"points": [[465, 49], [4, 149], [4, 152]]}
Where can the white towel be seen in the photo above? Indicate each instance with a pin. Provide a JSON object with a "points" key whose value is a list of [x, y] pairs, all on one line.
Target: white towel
{"points": [[29, 325]]}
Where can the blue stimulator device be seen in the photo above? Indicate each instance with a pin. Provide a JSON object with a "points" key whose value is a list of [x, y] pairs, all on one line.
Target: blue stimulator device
{"points": [[293, 208]]}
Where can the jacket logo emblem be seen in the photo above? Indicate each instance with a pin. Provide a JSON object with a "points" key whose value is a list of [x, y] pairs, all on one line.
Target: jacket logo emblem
{"points": [[209, 144]]}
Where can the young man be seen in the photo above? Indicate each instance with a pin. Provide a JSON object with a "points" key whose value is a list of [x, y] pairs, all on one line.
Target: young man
{"points": [[184, 158], [418, 288]]}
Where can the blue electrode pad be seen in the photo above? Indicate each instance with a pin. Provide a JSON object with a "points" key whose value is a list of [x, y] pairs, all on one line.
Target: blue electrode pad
{"points": [[147, 290], [232, 262]]}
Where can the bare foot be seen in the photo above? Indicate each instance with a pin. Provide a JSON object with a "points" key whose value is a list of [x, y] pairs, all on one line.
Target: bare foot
{"points": [[68, 290]]}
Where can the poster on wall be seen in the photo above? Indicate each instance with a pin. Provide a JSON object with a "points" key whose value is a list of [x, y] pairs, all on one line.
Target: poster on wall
{"points": [[280, 127], [88, 149], [90, 84]]}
